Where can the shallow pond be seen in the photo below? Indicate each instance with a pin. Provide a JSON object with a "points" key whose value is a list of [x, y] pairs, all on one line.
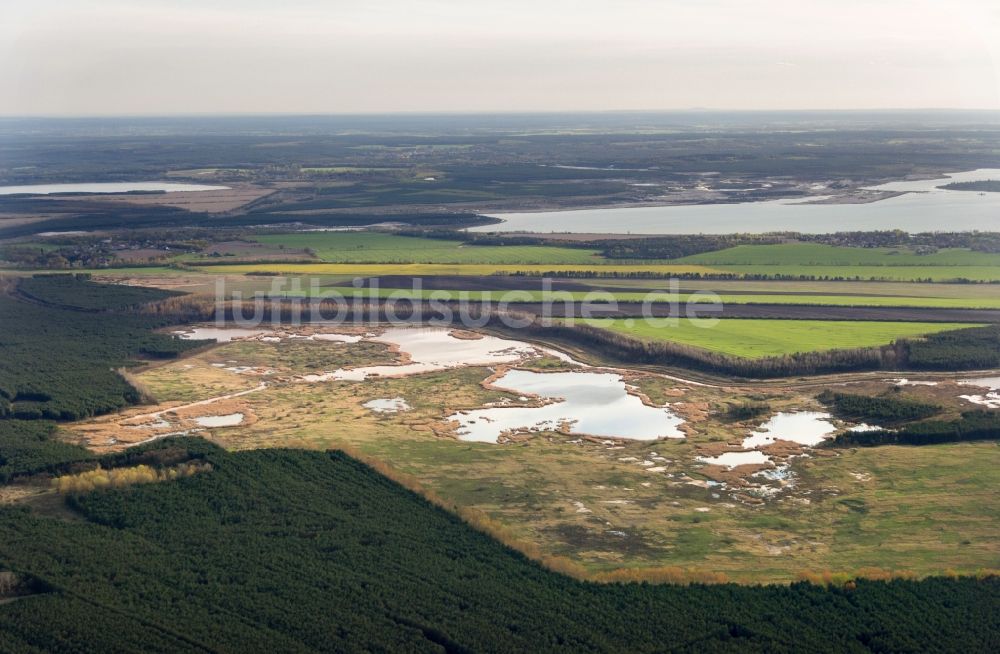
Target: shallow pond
{"points": [[990, 400], [733, 459], [435, 348], [336, 338], [227, 334], [230, 420], [863, 427], [992, 383], [218, 334], [592, 403], [803, 427], [387, 405]]}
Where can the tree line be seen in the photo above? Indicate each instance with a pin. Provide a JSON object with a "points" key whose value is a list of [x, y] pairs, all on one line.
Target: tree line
{"points": [[978, 425]]}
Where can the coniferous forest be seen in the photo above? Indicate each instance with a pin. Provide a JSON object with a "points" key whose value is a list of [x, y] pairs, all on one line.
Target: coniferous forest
{"points": [[284, 550], [62, 342]]}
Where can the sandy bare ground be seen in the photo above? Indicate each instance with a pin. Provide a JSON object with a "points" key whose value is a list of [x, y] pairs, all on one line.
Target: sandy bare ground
{"points": [[115, 432], [857, 196], [198, 201]]}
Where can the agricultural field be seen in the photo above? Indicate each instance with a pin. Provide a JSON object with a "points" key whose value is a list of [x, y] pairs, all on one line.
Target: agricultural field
{"points": [[791, 260], [761, 338], [478, 287], [817, 288], [901, 273], [385, 253], [468, 260], [819, 254], [422, 269], [528, 294], [377, 247], [876, 273], [828, 261], [444, 281]]}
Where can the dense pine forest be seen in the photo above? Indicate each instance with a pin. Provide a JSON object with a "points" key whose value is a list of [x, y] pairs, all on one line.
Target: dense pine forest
{"points": [[904, 421], [282, 550], [976, 425], [877, 409], [79, 292], [976, 348], [62, 342], [30, 446]]}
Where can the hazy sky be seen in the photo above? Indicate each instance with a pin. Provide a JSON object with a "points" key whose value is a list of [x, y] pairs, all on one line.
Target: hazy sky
{"points": [[201, 56]]}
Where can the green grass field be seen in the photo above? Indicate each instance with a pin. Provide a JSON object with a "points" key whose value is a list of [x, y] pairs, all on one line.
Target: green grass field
{"points": [[818, 254], [761, 338], [864, 301], [780, 287], [851, 294], [535, 295], [372, 247], [377, 253], [887, 273], [418, 269], [882, 273], [818, 260], [784, 259], [897, 273]]}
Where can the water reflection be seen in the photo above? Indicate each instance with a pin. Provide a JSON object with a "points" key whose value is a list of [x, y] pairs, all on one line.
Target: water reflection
{"points": [[593, 403]]}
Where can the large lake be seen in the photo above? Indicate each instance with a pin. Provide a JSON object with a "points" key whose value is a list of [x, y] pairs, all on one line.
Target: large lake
{"points": [[107, 187], [924, 207]]}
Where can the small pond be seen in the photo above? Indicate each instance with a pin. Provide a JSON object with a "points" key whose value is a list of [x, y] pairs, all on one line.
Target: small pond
{"points": [[592, 403]]}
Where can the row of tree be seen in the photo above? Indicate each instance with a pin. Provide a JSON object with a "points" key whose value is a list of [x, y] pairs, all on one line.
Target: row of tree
{"points": [[977, 425]]}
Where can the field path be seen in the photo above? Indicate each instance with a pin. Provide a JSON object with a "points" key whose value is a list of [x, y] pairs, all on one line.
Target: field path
{"points": [[218, 398]]}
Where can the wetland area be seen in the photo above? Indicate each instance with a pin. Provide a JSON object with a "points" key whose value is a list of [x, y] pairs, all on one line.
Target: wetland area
{"points": [[622, 465]]}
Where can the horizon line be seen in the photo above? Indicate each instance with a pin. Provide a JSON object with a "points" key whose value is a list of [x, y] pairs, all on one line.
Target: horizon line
{"points": [[487, 112]]}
